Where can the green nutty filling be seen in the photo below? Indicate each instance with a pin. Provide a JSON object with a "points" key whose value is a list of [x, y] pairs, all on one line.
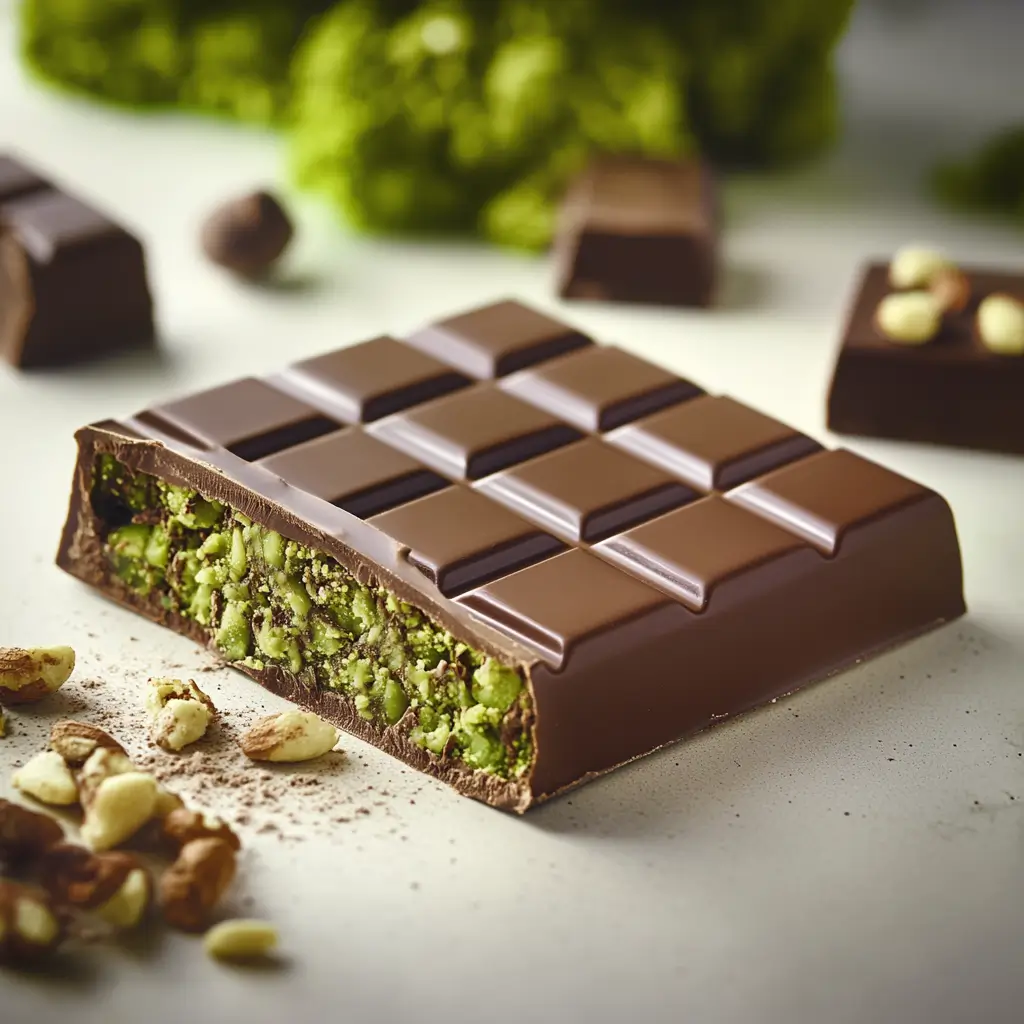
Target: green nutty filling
{"points": [[267, 601]]}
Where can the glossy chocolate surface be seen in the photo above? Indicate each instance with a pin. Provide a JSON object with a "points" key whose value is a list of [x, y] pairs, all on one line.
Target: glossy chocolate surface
{"points": [[639, 230], [642, 598], [72, 282], [950, 391]]}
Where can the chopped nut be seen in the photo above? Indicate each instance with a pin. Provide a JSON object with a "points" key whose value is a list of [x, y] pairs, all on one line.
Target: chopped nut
{"points": [[127, 907], [77, 741], [119, 807], [46, 778], [1001, 324], [166, 802], [240, 939], [180, 712], [914, 266], [909, 318], [103, 763], [29, 928], [28, 675], [25, 833], [183, 826], [952, 290], [289, 736], [78, 877], [192, 886]]}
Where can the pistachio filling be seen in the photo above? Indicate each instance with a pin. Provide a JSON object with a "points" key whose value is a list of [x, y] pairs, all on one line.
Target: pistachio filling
{"points": [[271, 602]]}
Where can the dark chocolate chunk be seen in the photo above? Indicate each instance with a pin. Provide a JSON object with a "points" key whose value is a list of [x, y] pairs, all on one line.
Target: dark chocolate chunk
{"points": [[472, 433], [354, 471], [72, 282], [249, 418], [523, 634], [459, 539], [639, 230], [18, 179], [713, 443], [587, 490], [247, 235], [951, 390], [600, 387], [365, 382], [498, 339]]}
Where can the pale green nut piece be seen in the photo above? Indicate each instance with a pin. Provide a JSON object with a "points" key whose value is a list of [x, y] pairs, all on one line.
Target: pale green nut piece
{"points": [[909, 318], [1001, 325]]}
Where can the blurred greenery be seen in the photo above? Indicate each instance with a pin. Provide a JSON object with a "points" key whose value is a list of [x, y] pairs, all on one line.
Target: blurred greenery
{"points": [[464, 115], [991, 180]]}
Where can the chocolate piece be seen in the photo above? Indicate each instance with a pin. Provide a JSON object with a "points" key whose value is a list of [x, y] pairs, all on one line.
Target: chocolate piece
{"points": [[498, 339], [72, 282], [951, 390], [247, 235], [524, 633], [600, 387], [639, 230]]}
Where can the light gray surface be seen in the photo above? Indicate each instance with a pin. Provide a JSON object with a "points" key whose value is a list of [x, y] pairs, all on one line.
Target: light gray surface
{"points": [[852, 854]]}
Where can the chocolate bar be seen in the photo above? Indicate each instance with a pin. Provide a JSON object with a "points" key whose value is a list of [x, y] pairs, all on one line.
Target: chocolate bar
{"points": [[514, 561], [639, 230], [72, 282], [951, 390]]}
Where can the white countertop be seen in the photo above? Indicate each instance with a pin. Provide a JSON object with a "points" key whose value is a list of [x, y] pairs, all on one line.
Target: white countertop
{"points": [[852, 854]]}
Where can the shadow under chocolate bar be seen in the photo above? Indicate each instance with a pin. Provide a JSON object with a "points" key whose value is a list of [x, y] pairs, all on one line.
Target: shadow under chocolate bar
{"points": [[511, 557], [73, 283]]}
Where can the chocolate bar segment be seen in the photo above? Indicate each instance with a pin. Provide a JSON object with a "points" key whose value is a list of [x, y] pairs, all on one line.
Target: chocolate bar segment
{"points": [[600, 387], [498, 339], [586, 491], [472, 433], [639, 230], [713, 442], [72, 282], [553, 607], [950, 391], [371, 380]]}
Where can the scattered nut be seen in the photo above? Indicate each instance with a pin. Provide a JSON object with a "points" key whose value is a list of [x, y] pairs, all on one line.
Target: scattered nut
{"points": [[25, 833], [102, 764], [128, 906], [240, 939], [191, 887], [166, 802], [247, 235], [78, 877], [1001, 324], [119, 807], [909, 318], [289, 736], [77, 741], [28, 675], [46, 778], [29, 927], [180, 712], [914, 266], [952, 289], [183, 826]]}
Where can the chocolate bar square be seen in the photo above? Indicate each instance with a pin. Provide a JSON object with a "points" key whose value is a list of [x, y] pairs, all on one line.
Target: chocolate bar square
{"points": [[950, 391], [72, 282], [634, 229]]}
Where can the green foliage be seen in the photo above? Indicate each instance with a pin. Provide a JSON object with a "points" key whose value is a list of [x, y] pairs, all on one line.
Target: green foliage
{"points": [[464, 116], [992, 180]]}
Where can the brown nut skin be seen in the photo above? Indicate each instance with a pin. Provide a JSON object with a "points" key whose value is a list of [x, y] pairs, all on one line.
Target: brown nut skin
{"points": [[77, 877], [952, 290], [45, 931], [247, 235], [25, 834], [192, 886], [183, 826], [76, 741]]}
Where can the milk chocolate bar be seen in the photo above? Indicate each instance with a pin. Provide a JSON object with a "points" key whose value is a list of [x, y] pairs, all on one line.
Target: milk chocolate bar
{"points": [[509, 556], [72, 282], [635, 229], [952, 390]]}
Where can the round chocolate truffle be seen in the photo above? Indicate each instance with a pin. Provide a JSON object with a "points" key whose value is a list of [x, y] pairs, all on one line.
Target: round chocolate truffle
{"points": [[247, 235]]}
